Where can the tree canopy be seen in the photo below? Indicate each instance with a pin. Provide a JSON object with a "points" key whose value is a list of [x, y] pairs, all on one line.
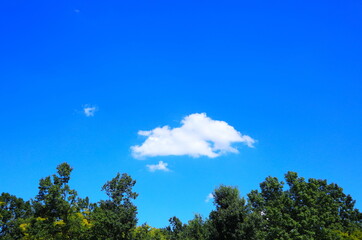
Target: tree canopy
{"points": [[294, 209]]}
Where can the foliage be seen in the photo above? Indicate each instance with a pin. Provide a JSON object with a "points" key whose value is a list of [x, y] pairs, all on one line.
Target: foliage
{"points": [[232, 218], [57, 211], [296, 209], [12, 211], [307, 210], [175, 229], [196, 229], [146, 232], [116, 217]]}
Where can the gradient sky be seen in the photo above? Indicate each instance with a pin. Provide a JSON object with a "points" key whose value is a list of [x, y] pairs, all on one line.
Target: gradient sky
{"points": [[286, 73]]}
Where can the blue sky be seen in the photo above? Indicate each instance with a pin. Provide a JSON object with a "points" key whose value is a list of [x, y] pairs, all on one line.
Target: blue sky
{"points": [[287, 74]]}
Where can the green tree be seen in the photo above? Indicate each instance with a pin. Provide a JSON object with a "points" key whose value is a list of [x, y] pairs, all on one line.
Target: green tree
{"points": [[275, 206], [306, 210], [55, 198], [175, 229], [58, 212], [115, 218], [12, 211], [195, 229], [146, 232], [232, 217]]}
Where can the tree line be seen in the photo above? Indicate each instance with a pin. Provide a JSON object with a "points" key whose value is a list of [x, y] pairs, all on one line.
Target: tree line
{"points": [[294, 209]]}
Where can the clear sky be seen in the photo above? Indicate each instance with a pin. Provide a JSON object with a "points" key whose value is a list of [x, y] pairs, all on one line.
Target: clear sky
{"points": [[248, 89]]}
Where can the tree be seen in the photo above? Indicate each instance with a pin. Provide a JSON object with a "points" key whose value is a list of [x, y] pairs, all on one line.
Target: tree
{"points": [[12, 211], [274, 205], [195, 229], [58, 212], [307, 210], [175, 229], [146, 232], [298, 209], [116, 217], [231, 218], [55, 198]]}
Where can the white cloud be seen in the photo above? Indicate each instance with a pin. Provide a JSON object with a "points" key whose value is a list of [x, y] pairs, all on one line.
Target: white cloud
{"points": [[89, 111], [161, 166], [209, 197], [198, 136]]}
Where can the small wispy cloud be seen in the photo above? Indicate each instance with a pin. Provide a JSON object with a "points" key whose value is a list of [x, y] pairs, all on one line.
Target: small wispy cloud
{"points": [[198, 136], [89, 110], [209, 197], [161, 166]]}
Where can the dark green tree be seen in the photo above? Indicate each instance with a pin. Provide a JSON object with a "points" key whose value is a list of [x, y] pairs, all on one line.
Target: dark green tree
{"points": [[175, 229], [274, 205], [55, 198], [195, 229], [12, 212], [307, 210], [115, 218], [231, 220]]}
